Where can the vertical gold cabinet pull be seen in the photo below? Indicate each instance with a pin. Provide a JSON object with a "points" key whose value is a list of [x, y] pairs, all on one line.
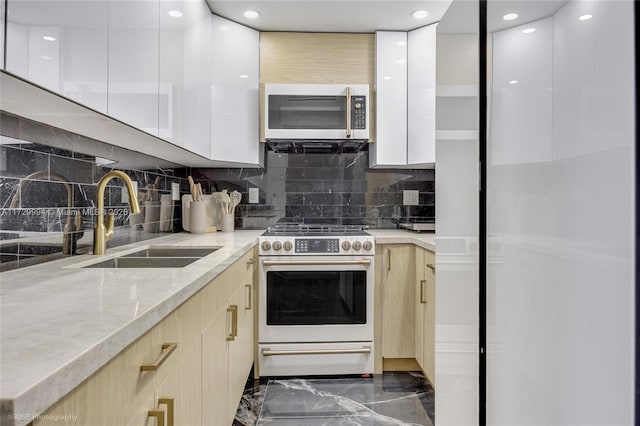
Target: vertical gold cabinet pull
{"points": [[250, 262], [159, 415], [348, 112], [432, 267], [422, 284], [247, 306], [388, 260], [167, 349], [233, 309], [169, 403]]}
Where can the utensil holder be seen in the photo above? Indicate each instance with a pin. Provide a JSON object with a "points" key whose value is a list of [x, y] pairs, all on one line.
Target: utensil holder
{"points": [[197, 217], [151, 216], [228, 222]]}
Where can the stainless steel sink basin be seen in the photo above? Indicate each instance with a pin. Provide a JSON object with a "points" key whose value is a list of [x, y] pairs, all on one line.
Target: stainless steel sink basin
{"points": [[157, 257], [173, 252]]}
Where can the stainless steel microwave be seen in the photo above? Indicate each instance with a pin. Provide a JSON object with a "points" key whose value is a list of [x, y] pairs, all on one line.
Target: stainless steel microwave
{"points": [[316, 112]]}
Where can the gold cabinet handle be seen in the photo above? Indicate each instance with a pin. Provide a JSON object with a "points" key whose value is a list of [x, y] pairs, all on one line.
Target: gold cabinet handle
{"points": [[348, 112], [169, 403], [248, 306], [233, 309], [388, 260], [432, 267], [167, 349], [250, 262], [422, 284], [159, 415]]}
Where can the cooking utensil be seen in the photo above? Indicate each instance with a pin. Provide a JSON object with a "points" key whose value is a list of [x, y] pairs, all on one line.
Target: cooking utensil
{"points": [[200, 193], [192, 188], [235, 200], [224, 199]]}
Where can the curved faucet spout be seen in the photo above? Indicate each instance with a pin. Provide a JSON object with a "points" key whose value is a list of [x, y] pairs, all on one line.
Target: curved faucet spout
{"points": [[102, 233]]}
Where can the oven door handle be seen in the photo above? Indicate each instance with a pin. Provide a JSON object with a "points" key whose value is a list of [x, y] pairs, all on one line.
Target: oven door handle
{"points": [[269, 352], [316, 262]]}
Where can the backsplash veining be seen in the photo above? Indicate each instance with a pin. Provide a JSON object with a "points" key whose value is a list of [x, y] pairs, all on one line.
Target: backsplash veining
{"points": [[323, 188]]}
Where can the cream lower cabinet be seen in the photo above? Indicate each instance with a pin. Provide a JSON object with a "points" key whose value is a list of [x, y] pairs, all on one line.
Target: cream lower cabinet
{"points": [[398, 301], [405, 322], [425, 296], [199, 381]]}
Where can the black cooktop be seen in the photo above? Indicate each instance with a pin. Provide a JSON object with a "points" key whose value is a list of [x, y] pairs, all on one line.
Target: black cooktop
{"points": [[313, 230]]}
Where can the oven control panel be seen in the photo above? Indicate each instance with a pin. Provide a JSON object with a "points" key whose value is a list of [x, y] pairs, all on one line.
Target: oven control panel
{"points": [[316, 246]]}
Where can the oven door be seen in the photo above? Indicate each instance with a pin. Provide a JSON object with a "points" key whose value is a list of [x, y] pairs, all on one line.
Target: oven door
{"points": [[316, 299]]}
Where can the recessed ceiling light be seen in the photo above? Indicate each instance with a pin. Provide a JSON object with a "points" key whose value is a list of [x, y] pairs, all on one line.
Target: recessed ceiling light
{"points": [[175, 14], [528, 30], [49, 38], [251, 14], [244, 76], [513, 82], [585, 17], [510, 16], [420, 14]]}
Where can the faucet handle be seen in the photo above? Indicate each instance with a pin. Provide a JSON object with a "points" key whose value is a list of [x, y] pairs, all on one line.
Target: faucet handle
{"points": [[109, 227]]}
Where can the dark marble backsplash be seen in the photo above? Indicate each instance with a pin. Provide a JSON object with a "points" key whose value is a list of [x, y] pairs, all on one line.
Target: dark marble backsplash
{"points": [[40, 208], [324, 188], [300, 187]]}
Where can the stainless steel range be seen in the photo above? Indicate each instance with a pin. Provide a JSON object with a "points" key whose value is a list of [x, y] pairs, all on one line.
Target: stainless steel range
{"points": [[315, 300]]}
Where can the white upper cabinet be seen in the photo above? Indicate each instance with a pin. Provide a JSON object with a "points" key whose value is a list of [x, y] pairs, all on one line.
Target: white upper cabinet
{"points": [[522, 94], [196, 101], [62, 46], [235, 93], [184, 82], [421, 96], [390, 147], [2, 32], [405, 99], [134, 64]]}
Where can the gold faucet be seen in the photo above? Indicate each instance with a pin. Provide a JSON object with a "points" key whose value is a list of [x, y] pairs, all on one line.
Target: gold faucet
{"points": [[67, 237], [102, 233]]}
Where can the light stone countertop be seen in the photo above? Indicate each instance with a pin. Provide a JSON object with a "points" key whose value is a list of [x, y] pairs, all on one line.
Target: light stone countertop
{"points": [[426, 240], [60, 323]]}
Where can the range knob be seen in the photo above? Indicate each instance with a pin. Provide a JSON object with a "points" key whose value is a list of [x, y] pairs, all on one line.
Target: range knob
{"points": [[367, 245], [346, 245], [277, 245], [266, 245], [358, 105], [357, 245], [287, 245]]}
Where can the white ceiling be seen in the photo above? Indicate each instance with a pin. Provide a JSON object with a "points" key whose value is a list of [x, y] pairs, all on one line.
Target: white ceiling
{"points": [[367, 16], [356, 16]]}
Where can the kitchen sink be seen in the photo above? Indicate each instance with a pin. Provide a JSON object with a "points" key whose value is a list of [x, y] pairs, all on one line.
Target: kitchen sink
{"points": [[174, 252], [157, 257]]}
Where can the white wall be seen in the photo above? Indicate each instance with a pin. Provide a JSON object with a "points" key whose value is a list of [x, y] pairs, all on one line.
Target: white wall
{"points": [[560, 301]]}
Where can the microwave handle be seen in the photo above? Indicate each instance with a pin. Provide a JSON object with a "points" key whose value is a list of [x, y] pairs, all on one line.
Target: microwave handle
{"points": [[348, 112]]}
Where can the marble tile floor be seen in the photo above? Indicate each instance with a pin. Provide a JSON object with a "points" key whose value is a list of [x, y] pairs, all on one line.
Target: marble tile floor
{"points": [[392, 398]]}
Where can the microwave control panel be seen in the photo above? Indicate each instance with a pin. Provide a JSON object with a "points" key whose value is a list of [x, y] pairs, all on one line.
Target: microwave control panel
{"points": [[359, 112]]}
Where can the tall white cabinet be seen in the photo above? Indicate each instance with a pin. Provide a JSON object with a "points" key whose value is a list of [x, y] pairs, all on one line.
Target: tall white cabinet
{"points": [[405, 99]]}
